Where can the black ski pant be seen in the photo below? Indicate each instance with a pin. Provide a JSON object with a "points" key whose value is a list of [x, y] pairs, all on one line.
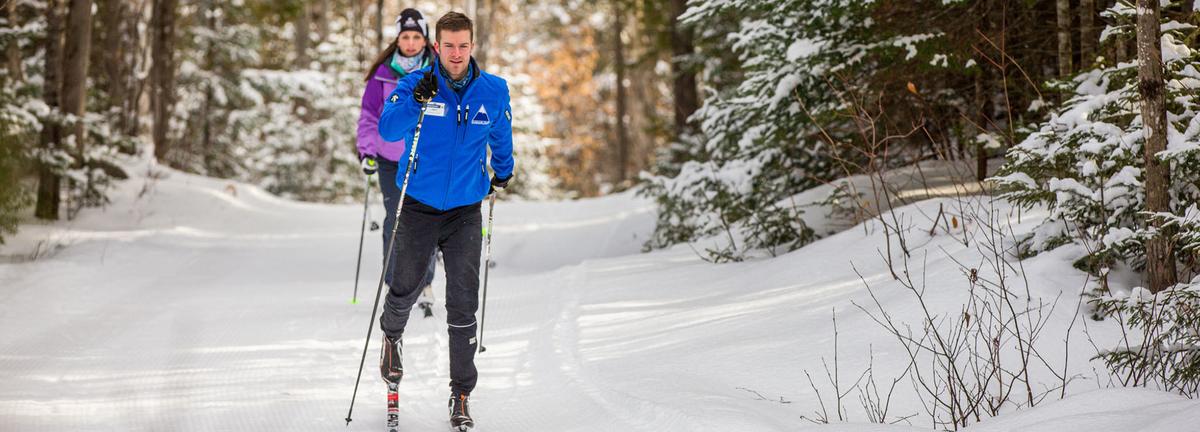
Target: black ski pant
{"points": [[391, 196], [457, 233]]}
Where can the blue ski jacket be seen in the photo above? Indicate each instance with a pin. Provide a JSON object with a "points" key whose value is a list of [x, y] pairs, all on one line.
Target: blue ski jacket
{"points": [[450, 169]]}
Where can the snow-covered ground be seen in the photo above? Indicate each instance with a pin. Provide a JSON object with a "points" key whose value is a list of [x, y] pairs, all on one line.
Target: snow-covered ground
{"points": [[199, 304]]}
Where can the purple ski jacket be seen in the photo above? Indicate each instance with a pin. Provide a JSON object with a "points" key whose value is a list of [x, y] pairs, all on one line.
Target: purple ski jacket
{"points": [[370, 143]]}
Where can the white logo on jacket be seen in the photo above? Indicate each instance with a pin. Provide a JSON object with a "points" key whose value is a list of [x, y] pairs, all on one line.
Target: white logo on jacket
{"points": [[481, 117]]}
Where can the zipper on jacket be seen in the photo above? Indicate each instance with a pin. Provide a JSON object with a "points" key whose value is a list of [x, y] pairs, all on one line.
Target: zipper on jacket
{"points": [[459, 136], [450, 169], [453, 148]]}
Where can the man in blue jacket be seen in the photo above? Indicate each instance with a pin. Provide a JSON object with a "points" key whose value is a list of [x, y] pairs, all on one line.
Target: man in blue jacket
{"points": [[466, 113]]}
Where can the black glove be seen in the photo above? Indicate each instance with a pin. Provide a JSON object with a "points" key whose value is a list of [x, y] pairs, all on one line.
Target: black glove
{"points": [[426, 88], [369, 166], [499, 183]]}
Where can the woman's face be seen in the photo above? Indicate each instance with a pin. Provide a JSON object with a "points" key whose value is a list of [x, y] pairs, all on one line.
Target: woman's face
{"points": [[410, 42]]}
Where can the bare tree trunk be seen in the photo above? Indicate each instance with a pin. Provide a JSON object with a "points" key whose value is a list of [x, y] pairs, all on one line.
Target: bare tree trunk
{"points": [[983, 119], [483, 30], [1116, 50], [378, 25], [619, 66], [322, 12], [135, 61], [356, 26], [162, 72], [49, 184], [1160, 255], [1087, 32], [1122, 48], [1120, 45], [110, 57], [13, 52], [489, 12], [206, 142], [687, 101], [77, 45], [76, 48], [1063, 8], [983, 101], [301, 36]]}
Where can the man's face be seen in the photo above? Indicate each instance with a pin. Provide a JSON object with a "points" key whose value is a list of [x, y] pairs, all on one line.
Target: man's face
{"points": [[454, 48], [410, 43]]}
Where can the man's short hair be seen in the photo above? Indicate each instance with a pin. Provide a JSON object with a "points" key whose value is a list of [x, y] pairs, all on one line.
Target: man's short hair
{"points": [[454, 21]]}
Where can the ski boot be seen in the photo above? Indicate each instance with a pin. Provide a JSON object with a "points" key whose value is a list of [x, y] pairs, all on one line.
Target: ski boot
{"points": [[390, 360], [460, 414]]}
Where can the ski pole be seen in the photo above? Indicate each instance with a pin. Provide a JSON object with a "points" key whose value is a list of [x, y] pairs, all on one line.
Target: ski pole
{"points": [[362, 234], [412, 155], [487, 264]]}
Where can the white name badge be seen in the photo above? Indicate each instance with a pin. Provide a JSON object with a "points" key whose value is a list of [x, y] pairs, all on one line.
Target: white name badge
{"points": [[436, 109]]}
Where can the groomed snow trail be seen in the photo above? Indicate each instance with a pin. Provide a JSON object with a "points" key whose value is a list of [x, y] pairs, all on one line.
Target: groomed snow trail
{"points": [[193, 304], [208, 305]]}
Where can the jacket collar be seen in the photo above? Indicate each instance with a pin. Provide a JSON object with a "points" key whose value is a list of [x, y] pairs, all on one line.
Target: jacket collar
{"points": [[436, 64]]}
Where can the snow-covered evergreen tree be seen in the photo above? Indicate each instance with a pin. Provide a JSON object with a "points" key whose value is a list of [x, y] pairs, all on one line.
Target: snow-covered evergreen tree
{"points": [[23, 117], [249, 114], [768, 135], [1084, 163], [18, 126]]}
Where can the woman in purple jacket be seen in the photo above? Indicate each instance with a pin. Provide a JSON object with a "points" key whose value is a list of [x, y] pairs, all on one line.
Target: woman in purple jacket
{"points": [[409, 52]]}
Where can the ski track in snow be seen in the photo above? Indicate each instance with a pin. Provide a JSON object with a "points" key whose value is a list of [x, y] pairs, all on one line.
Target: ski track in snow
{"points": [[194, 308]]}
